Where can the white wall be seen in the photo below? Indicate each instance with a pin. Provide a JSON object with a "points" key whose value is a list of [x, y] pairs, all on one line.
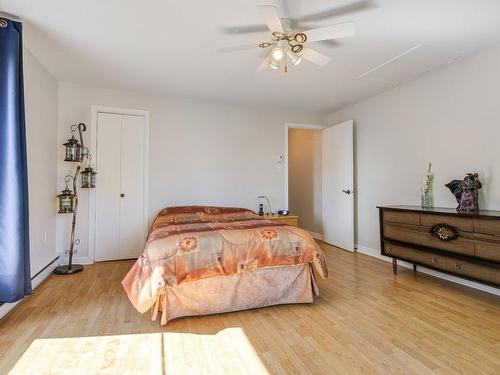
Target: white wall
{"points": [[41, 93], [450, 117], [304, 177], [200, 152]]}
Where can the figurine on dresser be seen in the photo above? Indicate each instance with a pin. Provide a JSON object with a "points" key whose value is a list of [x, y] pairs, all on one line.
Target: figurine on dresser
{"points": [[466, 192]]}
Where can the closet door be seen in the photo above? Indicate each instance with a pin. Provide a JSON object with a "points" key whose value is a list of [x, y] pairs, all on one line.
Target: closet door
{"points": [[132, 234], [120, 226], [107, 226]]}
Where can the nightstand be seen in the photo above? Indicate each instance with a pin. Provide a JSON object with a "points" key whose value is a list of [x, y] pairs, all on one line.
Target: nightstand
{"points": [[292, 220]]}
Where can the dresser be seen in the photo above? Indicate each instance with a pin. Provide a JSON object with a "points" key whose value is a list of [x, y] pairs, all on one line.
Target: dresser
{"points": [[290, 219], [465, 245]]}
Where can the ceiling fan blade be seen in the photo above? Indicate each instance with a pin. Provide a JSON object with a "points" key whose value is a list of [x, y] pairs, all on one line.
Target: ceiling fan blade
{"points": [[249, 29], [265, 64], [272, 18], [314, 56], [330, 43], [244, 47], [340, 30], [345, 9]]}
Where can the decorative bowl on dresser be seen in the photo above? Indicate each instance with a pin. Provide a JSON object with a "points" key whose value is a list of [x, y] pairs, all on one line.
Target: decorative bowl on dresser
{"points": [[466, 245]]}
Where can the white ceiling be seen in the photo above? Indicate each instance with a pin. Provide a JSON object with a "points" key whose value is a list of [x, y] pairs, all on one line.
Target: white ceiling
{"points": [[169, 47]]}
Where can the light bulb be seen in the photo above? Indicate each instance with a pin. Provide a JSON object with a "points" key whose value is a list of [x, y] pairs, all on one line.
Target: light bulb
{"points": [[278, 54]]}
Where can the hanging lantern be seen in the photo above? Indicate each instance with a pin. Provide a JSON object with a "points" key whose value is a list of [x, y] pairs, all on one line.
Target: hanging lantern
{"points": [[88, 178], [66, 201], [73, 150]]}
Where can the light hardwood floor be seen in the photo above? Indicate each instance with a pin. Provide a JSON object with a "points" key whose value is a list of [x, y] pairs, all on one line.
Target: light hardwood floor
{"points": [[365, 321]]}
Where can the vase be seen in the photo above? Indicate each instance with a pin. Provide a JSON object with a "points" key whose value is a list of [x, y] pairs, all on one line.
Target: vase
{"points": [[426, 199]]}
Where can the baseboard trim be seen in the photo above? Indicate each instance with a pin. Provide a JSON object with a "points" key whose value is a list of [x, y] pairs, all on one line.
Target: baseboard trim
{"points": [[35, 281], [80, 260], [458, 280], [316, 235]]}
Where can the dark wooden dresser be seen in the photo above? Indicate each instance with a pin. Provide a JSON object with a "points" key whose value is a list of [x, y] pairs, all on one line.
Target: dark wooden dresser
{"points": [[466, 245]]}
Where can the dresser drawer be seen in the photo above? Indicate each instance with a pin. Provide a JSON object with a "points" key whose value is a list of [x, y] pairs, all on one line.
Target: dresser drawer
{"points": [[289, 221], [403, 233], [487, 226], [487, 250], [465, 224], [402, 217], [463, 244], [473, 270], [413, 255]]}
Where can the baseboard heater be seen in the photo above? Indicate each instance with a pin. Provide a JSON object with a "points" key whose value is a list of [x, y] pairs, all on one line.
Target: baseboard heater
{"points": [[44, 268], [5, 308]]}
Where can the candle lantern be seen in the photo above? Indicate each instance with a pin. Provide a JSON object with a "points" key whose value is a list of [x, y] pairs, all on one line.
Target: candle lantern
{"points": [[73, 150], [66, 201], [88, 178]]}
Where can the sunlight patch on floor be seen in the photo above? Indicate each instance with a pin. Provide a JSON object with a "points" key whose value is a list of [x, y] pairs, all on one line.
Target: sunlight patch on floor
{"points": [[227, 352]]}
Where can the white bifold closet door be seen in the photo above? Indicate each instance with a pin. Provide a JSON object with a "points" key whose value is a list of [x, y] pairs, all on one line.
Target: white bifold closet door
{"points": [[121, 224]]}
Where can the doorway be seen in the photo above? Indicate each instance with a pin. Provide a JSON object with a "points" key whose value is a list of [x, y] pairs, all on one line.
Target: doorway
{"points": [[119, 208], [304, 177], [319, 180]]}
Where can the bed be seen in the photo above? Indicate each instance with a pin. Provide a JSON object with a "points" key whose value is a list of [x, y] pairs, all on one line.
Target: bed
{"points": [[202, 260]]}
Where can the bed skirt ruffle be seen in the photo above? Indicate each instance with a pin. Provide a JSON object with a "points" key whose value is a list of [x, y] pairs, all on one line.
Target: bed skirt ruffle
{"points": [[246, 290]]}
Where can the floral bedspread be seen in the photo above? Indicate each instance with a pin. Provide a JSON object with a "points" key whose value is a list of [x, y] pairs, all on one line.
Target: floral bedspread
{"points": [[195, 242]]}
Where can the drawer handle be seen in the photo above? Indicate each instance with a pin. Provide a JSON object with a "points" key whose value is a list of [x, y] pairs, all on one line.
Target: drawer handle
{"points": [[389, 249], [444, 232], [458, 266], [435, 260]]}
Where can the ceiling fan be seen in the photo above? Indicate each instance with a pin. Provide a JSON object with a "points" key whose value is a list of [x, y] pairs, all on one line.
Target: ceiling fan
{"points": [[289, 46]]}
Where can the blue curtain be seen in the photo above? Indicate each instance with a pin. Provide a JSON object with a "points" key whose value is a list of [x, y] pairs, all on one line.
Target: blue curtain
{"points": [[15, 280]]}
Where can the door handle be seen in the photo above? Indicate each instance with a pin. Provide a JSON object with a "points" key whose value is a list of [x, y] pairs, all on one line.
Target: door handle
{"points": [[122, 195], [346, 191]]}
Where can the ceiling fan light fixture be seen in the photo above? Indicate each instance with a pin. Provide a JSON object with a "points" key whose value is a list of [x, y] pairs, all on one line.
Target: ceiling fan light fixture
{"points": [[300, 38], [278, 54], [274, 64], [294, 58], [287, 46]]}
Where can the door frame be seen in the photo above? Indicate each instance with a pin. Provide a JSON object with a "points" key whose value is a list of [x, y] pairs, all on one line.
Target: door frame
{"points": [[95, 110], [293, 125]]}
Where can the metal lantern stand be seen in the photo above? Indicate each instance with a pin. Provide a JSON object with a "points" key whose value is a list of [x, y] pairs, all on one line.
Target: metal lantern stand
{"points": [[75, 152], [70, 267]]}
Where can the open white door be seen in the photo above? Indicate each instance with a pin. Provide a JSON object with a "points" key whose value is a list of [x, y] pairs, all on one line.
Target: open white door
{"points": [[338, 184]]}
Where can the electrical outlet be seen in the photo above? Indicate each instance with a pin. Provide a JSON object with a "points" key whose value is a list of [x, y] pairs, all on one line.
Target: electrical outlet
{"points": [[45, 237]]}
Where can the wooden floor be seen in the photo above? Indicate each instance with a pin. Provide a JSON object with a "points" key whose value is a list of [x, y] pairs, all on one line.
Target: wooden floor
{"points": [[365, 321]]}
